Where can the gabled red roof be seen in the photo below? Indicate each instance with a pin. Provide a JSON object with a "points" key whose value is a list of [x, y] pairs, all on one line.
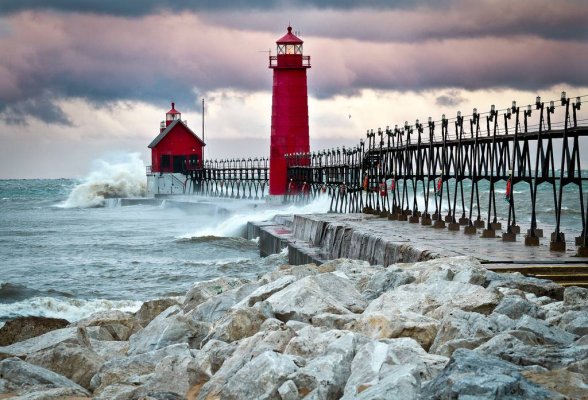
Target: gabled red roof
{"points": [[167, 130], [289, 38]]}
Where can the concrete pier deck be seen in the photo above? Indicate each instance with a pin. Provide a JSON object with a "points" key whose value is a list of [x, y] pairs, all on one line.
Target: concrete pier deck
{"points": [[320, 237]]}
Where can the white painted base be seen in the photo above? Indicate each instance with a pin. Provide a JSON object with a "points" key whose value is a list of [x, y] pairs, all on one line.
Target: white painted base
{"points": [[274, 199], [166, 183]]}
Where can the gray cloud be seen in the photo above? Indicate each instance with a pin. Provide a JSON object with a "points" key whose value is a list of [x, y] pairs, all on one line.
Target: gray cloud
{"points": [[42, 106], [105, 58], [145, 7], [450, 99], [371, 20], [564, 20]]}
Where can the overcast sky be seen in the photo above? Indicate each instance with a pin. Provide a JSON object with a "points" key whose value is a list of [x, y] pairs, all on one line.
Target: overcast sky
{"points": [[87, 79]]}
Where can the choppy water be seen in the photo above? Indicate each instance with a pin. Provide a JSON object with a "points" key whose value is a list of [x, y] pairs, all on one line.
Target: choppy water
{"points": [[66, 252], [571, 215]]}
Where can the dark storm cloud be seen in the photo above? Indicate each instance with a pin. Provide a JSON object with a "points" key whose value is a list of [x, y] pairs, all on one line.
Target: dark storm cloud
{"points": [[459, 64], [128, 61], [105, 58], [565, 20], [43, 106], [129, 8], [371, 20]]}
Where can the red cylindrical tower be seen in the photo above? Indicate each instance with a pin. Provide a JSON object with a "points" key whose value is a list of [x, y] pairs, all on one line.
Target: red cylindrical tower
{"points": [[289, 108]]}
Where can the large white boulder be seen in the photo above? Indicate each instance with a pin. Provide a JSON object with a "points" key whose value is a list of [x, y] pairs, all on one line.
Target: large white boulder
{"points": [[463, 329], [376, 360], [17, 375], [399, 382], [265, 291], [318, 294], [177, 375], [396, 324], [120, 325], [358, 271], [169, 327], [152, 308], [247, 349], [202, 291], [134, 370], [426, 298], [324, 375], [260, 378], [79, 336], [238, 324], [75, 362]]}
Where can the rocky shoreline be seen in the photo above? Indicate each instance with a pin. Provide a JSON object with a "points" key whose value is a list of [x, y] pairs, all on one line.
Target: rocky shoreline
{"points": [[439, 329]]}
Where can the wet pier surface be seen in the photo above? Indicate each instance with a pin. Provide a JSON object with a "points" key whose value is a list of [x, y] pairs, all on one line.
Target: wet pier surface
{"points": [[455, 243], [319, 237]]}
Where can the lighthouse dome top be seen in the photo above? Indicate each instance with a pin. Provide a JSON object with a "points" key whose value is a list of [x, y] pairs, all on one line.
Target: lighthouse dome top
{"points": [[171, 115], [289, 38], [173, 109]]}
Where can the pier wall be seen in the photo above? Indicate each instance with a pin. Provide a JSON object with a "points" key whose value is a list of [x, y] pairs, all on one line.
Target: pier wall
{"points": [[321, 237]]}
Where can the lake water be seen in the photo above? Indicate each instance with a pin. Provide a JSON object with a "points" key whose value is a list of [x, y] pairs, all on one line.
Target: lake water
{"points": [[66, 252]]}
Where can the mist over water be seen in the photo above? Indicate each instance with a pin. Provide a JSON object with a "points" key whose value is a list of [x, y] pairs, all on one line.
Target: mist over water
{"points": [[243, 212]]}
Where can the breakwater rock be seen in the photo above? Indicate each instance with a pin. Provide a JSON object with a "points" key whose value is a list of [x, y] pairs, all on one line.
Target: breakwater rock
{"points": [[439, 329]]}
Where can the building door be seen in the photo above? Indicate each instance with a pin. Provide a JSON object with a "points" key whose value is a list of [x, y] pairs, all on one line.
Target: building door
{"points": [[193, 161], [165, 163], [179, 163]]}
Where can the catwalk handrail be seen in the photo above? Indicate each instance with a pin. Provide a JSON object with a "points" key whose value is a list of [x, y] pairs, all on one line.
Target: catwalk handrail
{"points": [[514, 145], [245, 178]]}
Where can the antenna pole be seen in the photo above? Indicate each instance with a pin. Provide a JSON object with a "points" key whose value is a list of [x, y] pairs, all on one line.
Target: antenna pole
{"points": [[203, 131]]}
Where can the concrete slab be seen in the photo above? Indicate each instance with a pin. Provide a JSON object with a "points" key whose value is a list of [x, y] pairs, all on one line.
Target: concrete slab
{"points": [[455, 243], [320, 237]]}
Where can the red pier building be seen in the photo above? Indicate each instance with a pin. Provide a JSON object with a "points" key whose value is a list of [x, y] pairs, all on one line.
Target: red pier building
{"points": [[174, 151], [177, 148], [289, 129]]}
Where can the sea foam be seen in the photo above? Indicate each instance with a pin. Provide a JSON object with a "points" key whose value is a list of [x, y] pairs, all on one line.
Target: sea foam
{"points": [[235, 223], [69, 309], [124, 178]]}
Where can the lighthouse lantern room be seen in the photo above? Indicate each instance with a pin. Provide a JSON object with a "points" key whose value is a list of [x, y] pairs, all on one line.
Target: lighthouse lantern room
{"points": [[175, 151], [289, 128]]}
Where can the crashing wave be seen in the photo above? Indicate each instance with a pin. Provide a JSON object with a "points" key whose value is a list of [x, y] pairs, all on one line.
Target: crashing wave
{"points": [[69, 309], [109, 180]]}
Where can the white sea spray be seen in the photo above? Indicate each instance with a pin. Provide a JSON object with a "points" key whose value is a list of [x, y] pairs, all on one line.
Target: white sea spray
{"points": [[69, 309], [235, 223], [122, 178]]}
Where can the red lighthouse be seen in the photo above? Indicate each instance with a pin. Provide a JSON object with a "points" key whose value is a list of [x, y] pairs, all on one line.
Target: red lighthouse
{"points": [[289, 108]]}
